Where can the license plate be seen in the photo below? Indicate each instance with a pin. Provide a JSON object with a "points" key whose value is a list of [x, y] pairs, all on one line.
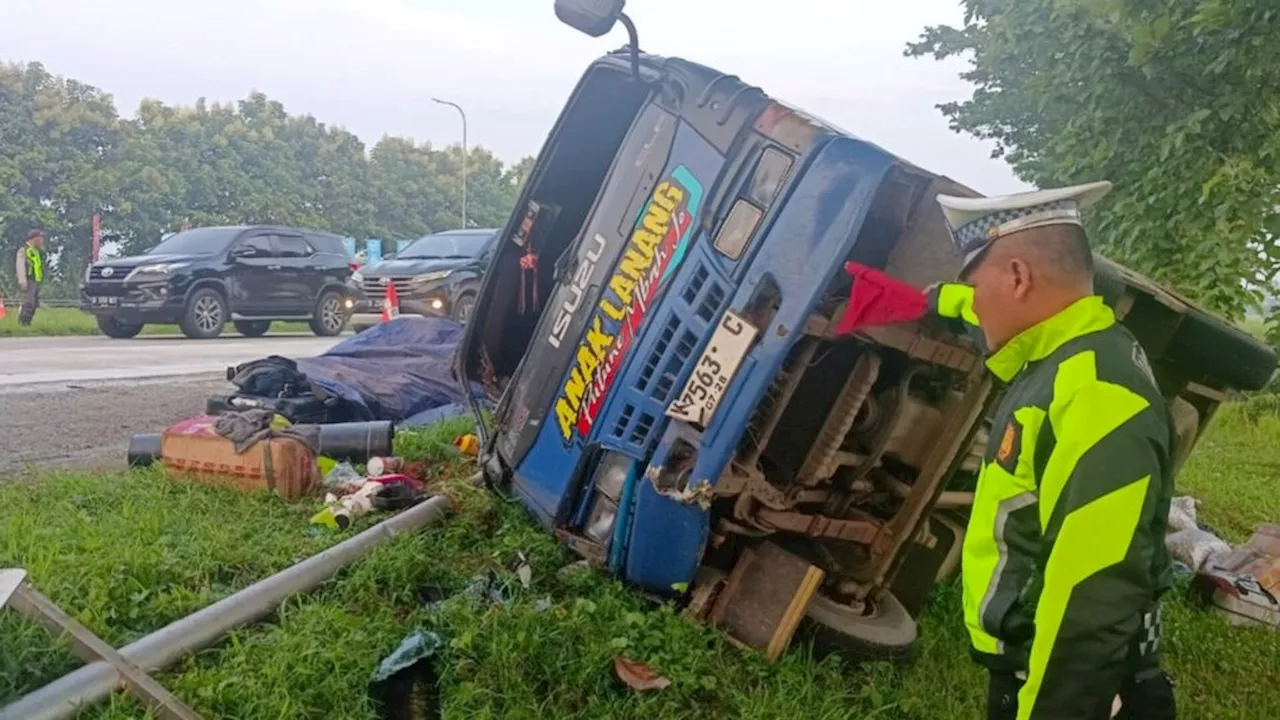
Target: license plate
{"points": [[714, 371], [109, 301]]}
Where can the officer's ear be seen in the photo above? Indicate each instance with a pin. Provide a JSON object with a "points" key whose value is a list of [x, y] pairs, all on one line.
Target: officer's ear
{"points": [[1021, 278]]}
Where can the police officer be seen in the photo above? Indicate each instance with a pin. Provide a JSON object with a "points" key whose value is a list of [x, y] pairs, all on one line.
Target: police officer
{"points": [[30, 273], [1064, 559]]}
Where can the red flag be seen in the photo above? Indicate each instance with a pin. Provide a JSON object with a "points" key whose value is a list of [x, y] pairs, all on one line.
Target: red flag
{"points": [[877, 299], [390, 303]]}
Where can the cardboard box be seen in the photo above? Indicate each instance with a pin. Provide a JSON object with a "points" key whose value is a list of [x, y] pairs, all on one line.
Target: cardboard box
{"points": [[284, 465]]}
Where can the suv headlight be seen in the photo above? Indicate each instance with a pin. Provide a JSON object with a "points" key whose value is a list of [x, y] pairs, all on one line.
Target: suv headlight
{"points": [[156, 271], [430, 277]]}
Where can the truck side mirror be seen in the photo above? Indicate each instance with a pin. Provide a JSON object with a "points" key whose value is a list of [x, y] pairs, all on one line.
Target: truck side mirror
{"points": [[593, 17]]}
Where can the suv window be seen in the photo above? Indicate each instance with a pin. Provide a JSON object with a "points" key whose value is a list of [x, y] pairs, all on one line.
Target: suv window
{"points": [[293, 246], [261, 244], [329, 244]]}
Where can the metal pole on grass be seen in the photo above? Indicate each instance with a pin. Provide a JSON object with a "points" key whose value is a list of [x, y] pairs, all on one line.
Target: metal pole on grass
{"points": [[458, 107], [66, 696]]}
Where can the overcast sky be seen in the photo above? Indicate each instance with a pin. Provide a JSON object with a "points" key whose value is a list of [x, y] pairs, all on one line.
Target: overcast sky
{"points": [[373, 66]]}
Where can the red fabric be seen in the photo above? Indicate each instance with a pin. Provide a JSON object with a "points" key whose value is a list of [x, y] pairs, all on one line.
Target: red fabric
{"points": [[877, 299], [390, 303], [528, 268]]}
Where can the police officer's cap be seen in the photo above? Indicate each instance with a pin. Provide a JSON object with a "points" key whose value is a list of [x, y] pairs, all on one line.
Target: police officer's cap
{"points": [[975, 223]]}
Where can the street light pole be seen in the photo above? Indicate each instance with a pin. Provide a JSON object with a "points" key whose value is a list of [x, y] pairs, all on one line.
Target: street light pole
{"points": [[464, 155]]}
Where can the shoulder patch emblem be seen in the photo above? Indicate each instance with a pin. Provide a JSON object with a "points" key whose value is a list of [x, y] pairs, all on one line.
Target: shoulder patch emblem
{"points": [[1140, 359], [1010, 444]]}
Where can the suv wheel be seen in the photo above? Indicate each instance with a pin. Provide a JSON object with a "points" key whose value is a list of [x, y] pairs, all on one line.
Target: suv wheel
{"points": [[205, 314], [463, 308], [329, 317], [252, 328], [114, 328]]}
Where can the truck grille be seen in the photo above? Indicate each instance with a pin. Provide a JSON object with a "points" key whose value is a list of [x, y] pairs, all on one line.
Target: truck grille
{"points": [[685, 320], [374, 287]]}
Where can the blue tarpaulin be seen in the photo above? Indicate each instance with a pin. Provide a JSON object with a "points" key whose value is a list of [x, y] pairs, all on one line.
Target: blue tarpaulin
{"points": [[391, 371]]}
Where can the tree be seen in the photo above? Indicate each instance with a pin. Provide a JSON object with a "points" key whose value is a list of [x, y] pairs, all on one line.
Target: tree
{"points": [[56, 140], [1177, 102]]}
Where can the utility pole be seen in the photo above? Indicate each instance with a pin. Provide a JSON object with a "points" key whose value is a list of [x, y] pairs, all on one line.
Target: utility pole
{"points": [[464, 155]]}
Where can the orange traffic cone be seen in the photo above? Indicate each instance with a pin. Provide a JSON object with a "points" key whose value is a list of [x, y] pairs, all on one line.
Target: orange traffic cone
{"points": [[390, 303], [3, 312]]}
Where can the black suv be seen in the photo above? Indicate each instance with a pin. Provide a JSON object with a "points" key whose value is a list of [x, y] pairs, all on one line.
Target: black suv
{"points": [[203, 277], [437, 274]]}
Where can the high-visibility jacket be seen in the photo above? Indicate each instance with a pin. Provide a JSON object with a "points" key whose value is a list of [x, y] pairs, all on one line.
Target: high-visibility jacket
{"points": [[30, 263], [1064, 559]]}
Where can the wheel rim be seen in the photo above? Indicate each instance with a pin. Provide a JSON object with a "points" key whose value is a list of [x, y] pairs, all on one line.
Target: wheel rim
{"points": [[464, 310], [208, 313], [331, 314]]}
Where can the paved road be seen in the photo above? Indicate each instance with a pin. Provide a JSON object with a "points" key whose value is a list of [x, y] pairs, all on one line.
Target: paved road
{"points": [[88, 425], [28, 361]]}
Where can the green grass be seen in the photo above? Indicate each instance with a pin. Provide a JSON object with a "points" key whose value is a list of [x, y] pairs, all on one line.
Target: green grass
{"points": [[128, 553], [52, 322]]}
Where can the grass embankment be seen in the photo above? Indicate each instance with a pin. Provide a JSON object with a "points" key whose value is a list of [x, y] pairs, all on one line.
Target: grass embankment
{"points": [[53, 322], [128, 553]]}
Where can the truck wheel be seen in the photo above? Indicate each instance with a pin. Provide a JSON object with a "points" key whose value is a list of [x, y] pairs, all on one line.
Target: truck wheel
{"points": [[329, 318], [114, 328], [885, 631], [205, 314], [253, 328]]}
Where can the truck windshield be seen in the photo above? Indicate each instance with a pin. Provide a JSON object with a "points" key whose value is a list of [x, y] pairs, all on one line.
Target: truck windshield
{"points": [[446, 245], [199, 241]]}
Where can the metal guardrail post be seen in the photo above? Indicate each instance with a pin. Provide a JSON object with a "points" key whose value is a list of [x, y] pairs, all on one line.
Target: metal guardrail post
{"points": [[67, 695]]}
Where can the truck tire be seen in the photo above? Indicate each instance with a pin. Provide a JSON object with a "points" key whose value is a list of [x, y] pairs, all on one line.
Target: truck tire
{"points": [[329, 318], [253, 328], [114, 328], [886, 632], [205, 314]]}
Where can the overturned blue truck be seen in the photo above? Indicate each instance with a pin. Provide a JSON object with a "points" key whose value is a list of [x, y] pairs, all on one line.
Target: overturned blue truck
{"points": [[656, 329]]}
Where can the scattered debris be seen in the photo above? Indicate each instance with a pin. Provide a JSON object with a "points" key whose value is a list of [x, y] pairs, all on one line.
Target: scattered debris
{"points": [[342, 474], [1244, 584], [488, 588], [348, 502], [405, 686], [467, 444], [385, 465], [524, 570], [1188, 543], [637, 675]]}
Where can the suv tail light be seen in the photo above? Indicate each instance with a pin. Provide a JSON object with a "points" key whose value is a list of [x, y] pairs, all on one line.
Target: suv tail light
{"points": [[354, 266]]}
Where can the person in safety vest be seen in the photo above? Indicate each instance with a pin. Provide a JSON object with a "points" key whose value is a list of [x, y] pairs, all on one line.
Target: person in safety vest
{"points": [[30, 273], [1064, 560]]}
